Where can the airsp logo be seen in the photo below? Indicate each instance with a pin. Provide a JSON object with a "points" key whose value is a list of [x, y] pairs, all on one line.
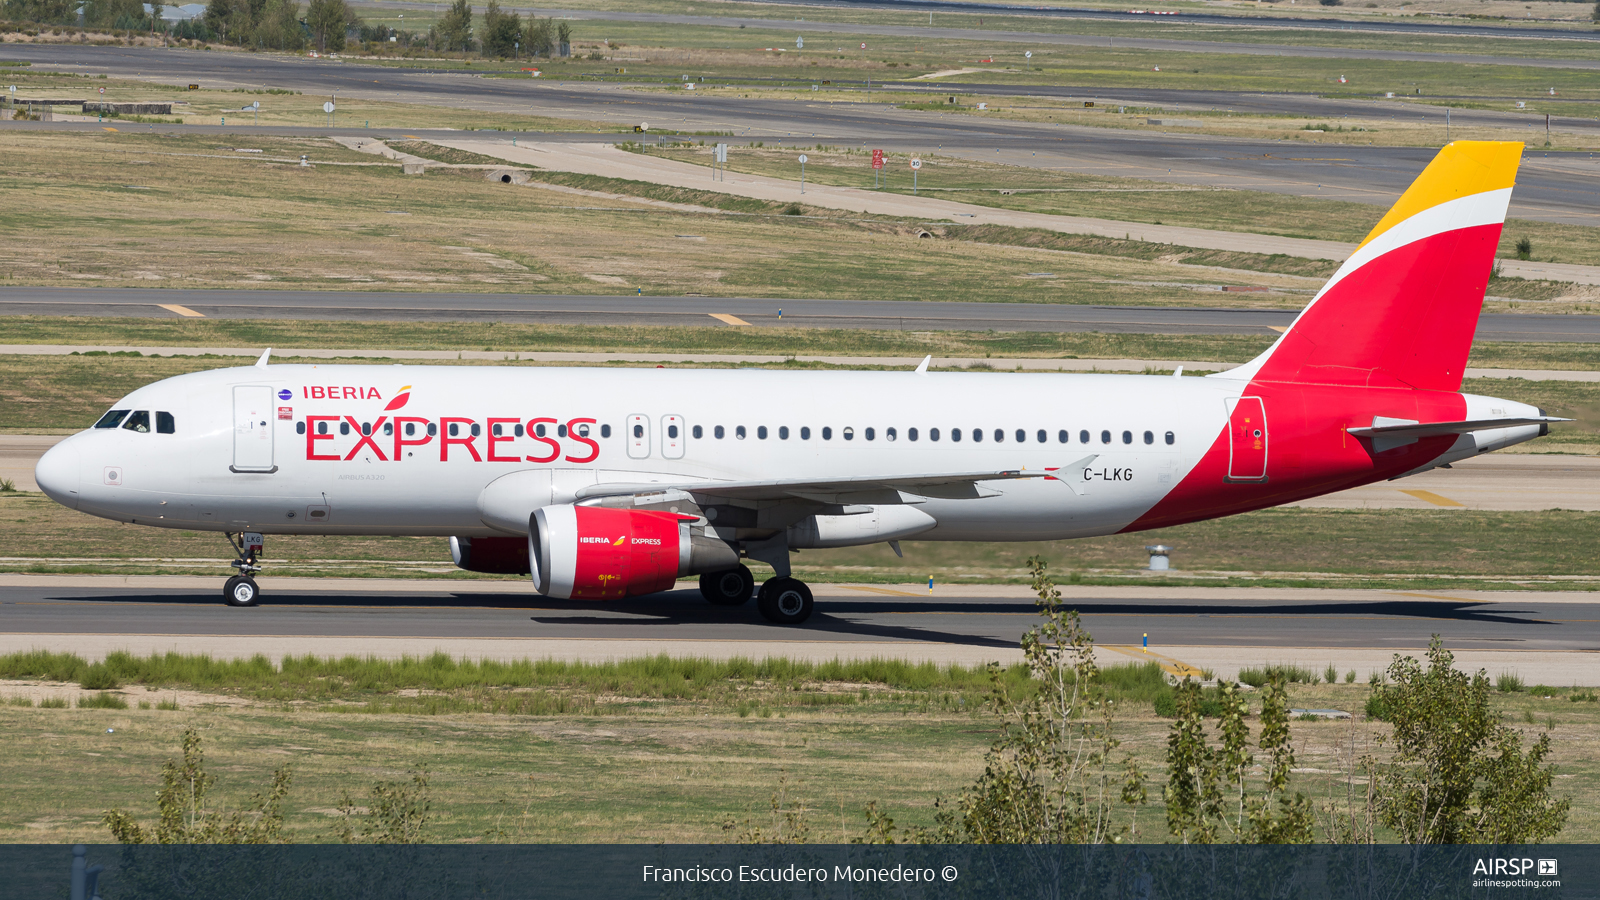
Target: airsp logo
{"points": [[1547, 868], [1500, 866]]}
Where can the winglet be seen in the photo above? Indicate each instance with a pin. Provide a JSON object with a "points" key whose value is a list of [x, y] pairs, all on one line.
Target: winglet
{"points": [[262, 362], [922, 369]]}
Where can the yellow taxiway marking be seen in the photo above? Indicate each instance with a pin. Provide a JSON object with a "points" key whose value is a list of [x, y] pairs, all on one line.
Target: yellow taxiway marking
{"points": [[181, 310], [1436, 597], [1435, 499], [726, 319], [879, 590], [107, 128], [1174, 666], [1281, 329], [413, 137]]}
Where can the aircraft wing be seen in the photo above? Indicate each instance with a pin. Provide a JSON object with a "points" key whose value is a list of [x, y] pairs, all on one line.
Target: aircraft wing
{"points": [[1382, 427], [860, 489]]}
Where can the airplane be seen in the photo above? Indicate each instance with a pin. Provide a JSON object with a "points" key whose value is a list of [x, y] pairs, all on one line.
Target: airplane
{"points": [[604, 483]]}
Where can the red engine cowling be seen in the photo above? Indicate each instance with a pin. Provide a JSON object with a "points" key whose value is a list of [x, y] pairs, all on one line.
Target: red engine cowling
{"points": [[594, 553], [496, 555]]}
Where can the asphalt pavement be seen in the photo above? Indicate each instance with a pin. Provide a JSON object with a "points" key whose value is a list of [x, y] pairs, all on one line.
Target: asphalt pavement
{"points": [[1557, 187], [1554, 634]]}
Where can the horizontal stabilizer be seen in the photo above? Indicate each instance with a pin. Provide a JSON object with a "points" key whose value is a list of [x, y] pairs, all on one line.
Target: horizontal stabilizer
{"points": [[1403, 429]]}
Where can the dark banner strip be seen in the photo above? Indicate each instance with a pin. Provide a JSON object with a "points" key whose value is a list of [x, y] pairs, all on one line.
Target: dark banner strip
{"points": [[813, 872]]}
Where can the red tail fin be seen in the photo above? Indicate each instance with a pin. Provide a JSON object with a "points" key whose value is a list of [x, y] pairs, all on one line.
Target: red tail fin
{"points": [[1402, 309]]}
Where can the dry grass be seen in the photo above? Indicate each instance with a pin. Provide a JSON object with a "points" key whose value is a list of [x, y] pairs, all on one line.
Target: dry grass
{"points": [[167, 211]]}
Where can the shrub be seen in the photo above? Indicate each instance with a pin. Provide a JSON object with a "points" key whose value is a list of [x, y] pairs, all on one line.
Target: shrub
{"points": [[53, 703], [1508, 683], [98, 678], [1524, 248], [1330, 674], [102, 700], [1543, 690], [1288, 674], [1350, 677]]}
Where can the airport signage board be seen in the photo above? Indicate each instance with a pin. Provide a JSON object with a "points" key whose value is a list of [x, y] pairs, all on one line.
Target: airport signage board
{"points": [[877, 159]]}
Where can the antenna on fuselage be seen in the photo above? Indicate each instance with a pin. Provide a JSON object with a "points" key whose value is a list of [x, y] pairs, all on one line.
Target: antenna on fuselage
{"points": [[262, 362], [923, 368]]}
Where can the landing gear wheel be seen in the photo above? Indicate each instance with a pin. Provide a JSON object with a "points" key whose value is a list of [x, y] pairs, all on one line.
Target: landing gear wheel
{"points": [[241, 590], [731, 587], [784, 601]]}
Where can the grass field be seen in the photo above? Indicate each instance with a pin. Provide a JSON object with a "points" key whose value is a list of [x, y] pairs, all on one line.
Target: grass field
{"points": [[177, 211], [1128, 199], [642, 751]]}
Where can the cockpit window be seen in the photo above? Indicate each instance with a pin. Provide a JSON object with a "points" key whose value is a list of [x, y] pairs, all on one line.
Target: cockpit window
{"points": [[165, 423], [138, 421], [112, 419]]}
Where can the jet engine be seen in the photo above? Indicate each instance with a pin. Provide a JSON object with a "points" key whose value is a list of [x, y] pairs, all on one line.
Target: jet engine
{"points": [[495, 555], [596, 553]]}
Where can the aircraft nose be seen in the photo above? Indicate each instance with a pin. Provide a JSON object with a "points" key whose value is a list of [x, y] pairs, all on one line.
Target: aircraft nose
{"points": [[57, 473]]}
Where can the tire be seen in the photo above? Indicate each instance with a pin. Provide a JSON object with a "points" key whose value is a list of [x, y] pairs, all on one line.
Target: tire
{"points": [[241, 590], [730, 587], [784, 601]]}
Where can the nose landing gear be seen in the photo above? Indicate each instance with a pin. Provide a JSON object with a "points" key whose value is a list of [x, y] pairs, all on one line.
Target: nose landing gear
{"points": [[241, 590]]}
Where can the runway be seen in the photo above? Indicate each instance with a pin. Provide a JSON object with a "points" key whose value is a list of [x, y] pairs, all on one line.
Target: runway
{"points": [[1557, 187], [892, 315], [1544, 633]]}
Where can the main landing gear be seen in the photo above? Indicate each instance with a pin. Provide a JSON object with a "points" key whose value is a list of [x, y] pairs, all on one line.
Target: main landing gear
{"points": [[241, 590], [781, 601]]}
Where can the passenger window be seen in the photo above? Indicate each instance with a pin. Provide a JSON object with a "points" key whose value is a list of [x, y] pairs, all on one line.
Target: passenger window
{"points": [[1170, 438], [849, 434], [738, 432], [411, 428], [827, 433], [871, 434], [1022, 436], [455, 429], [299, 428], [805, 432], [638, 431], [366, 428], [139, 421], [1083, 436], [388, 429], [433, 429], [911, 434], [672, 431], [1149, 437], [344, 428], [933, 434], [783, 432], [1127, 437], [322, 428], [716, 432], [889, 434], [165, 424], [955, 434], [1105, 437], [477, 430], [977, 435], [495, 430], [515, 429], [761, 432], [698, 432], [1062, 436], [605, 431], [999, 435], [111, 419], [583, 430]]}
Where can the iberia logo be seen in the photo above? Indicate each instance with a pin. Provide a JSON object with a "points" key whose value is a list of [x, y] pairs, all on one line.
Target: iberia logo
{"points": [[399, 399], [618, 541]]}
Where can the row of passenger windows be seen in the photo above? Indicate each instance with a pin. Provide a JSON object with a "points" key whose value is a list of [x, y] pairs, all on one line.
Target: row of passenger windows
{"points": [[956, 435], [976, 435], [139, 420], [454, 430]]}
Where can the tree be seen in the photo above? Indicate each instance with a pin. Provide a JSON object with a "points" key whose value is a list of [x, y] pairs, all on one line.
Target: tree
{"points": [[1050, 777], [278, 26], [185, 817], [563, 39], [1197, 810], [327, 20], [1458, 775], [501, 31], [1597, 11], [539, 36], [396, 813], [455, 26]]}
